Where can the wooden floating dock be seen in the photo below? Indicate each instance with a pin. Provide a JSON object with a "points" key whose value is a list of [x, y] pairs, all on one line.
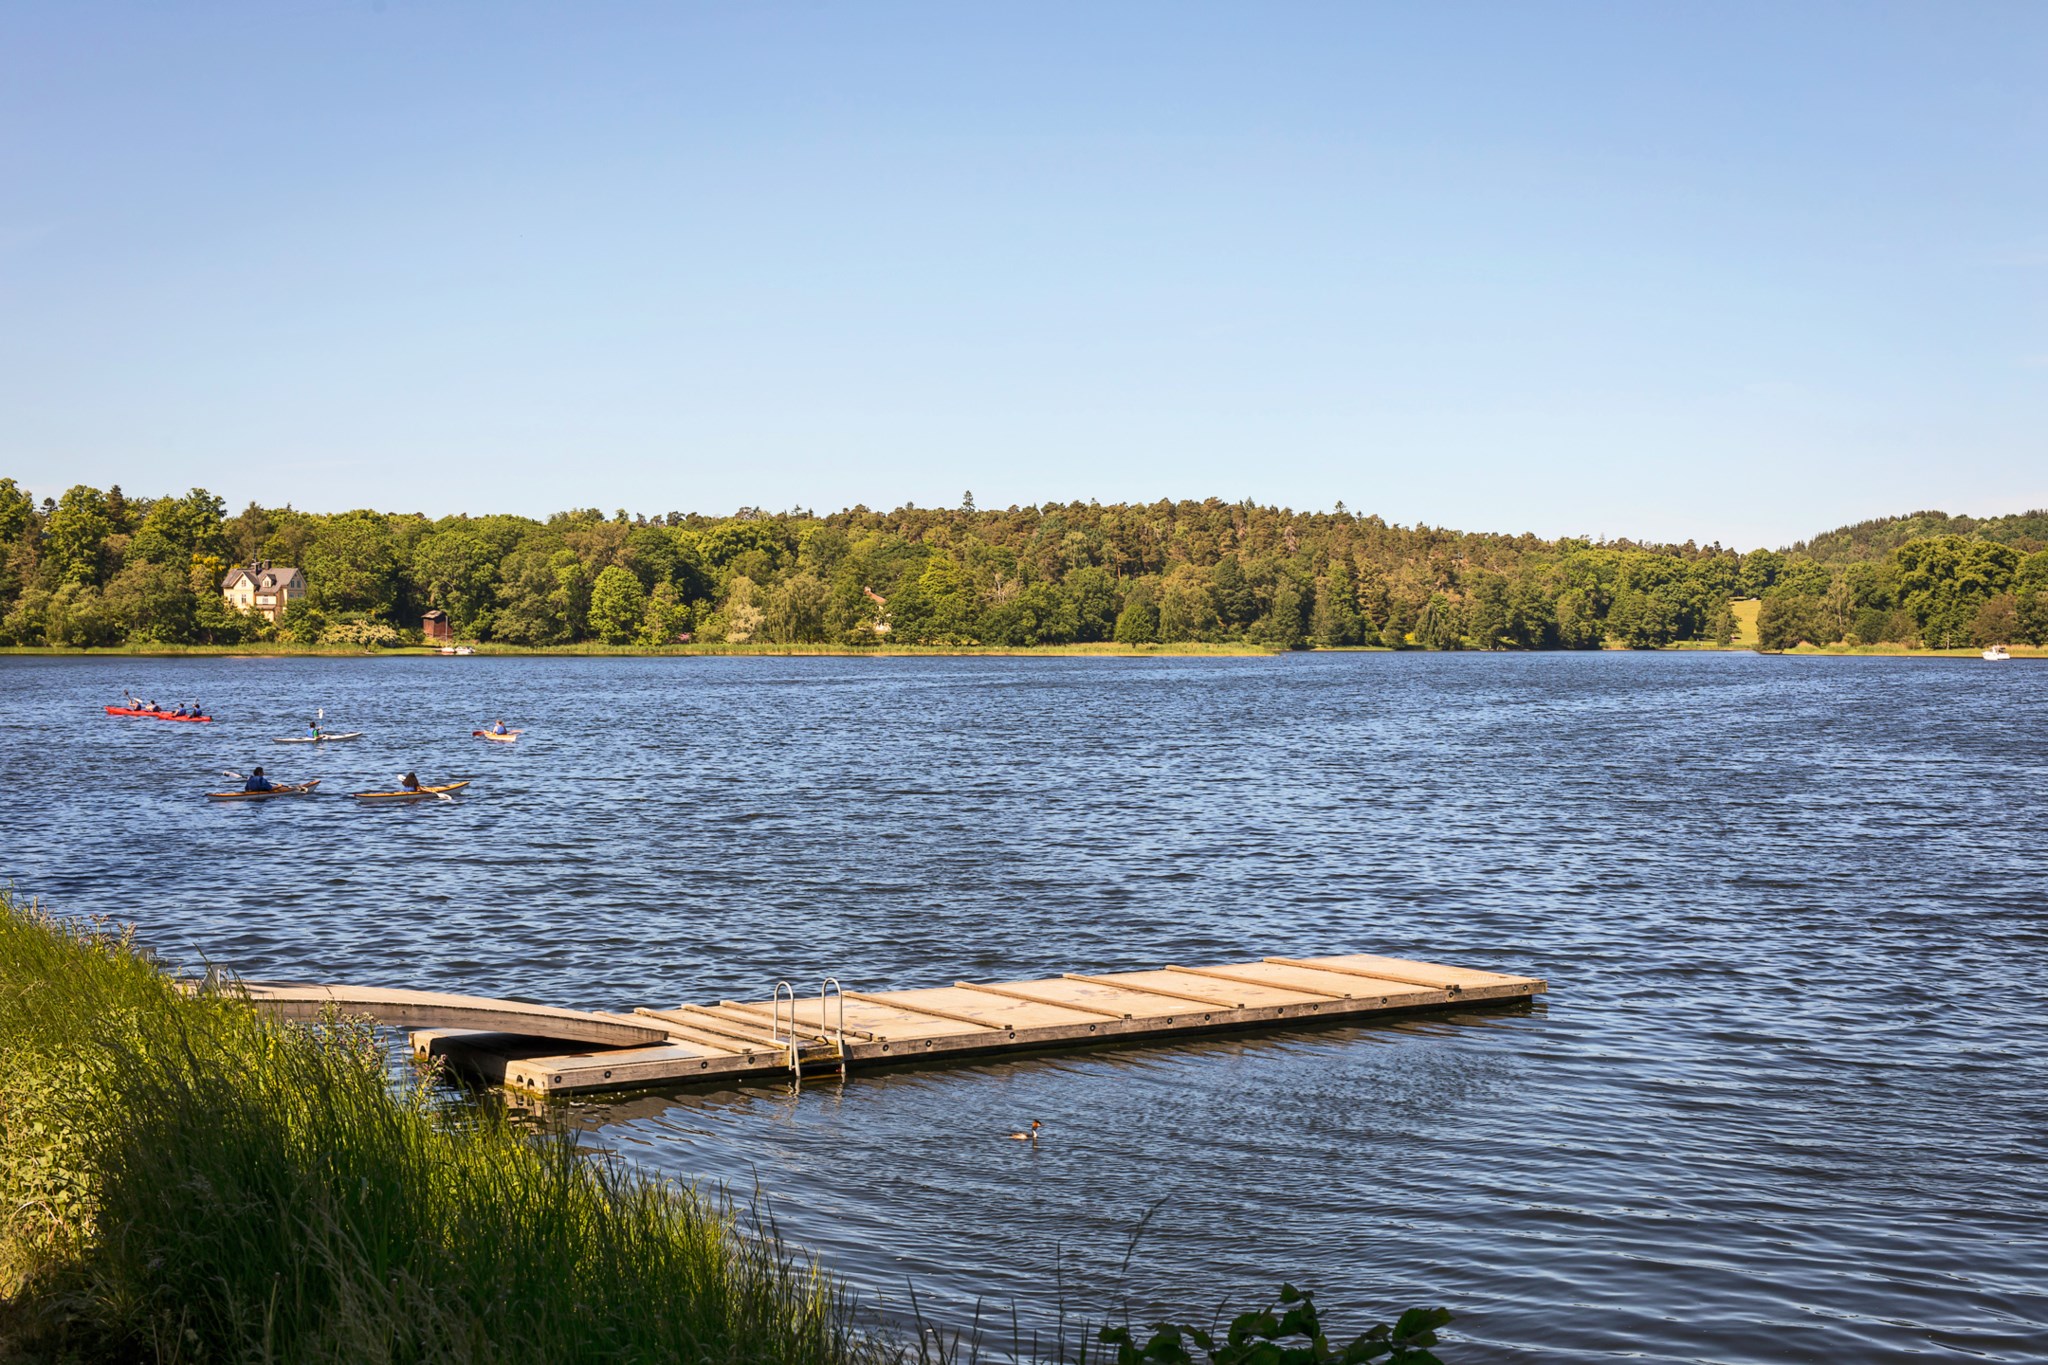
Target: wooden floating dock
{"points": [[520, 1045]]}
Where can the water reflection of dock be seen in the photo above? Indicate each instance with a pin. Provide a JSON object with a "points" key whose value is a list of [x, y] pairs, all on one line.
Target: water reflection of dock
{"points": [[521, 1045]]}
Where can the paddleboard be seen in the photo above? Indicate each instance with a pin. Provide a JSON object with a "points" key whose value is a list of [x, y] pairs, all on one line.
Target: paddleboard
{"points": [[322, 739]]}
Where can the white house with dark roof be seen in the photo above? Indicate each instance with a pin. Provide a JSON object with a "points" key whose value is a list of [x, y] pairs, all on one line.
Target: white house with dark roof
{"points": [[262, 587]]}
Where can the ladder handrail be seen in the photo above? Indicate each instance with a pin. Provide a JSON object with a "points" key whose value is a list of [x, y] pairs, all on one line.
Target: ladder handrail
{"points": [[775, 1025], [840, 1037]]}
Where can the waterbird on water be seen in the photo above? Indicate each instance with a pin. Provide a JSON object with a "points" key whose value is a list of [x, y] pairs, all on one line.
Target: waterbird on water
{"points": [[1031, 1136]]}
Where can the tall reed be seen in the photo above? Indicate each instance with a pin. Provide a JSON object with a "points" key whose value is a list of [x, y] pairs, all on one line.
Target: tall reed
{"points": [[184, 1180]]}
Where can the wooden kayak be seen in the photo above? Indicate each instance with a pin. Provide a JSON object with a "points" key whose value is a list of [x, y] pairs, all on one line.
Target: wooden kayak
{"points": [[320, 739], [505, 738], [154, 715], [281, 789], [423, 794]]}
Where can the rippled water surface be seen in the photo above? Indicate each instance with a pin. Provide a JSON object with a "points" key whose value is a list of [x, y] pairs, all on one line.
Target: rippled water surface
{"points": [[1786, 1101]]}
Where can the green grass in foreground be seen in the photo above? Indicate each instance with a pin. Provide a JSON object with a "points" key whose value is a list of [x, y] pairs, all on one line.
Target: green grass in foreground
{"points": [[184, 1180]]}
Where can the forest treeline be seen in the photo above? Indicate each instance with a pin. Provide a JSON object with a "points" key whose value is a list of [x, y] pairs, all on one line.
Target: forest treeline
{"points": [[92, 567]]}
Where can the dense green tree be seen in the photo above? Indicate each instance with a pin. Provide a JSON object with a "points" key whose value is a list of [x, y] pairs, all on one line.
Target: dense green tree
{"points": [[1093, 594], [1760, 570], [1186, 611], [796, 611], [1803, 575], [1490, 614], [1231, 596], [455, 571], [535, 603], [1789, 618], [1285, 622], [24, 621], [1721, 624], [1580, 622], [17, 511], [1837, 608], [1945, 579], [1439, 626], [1335, 622], [2030, 608], [351, 565], [1642, 620], [1997, 621], [175, 531], [939, 606], [75, 537], [1138, 622], [76, 616], [668, 617], [618, 605], [739, 616], [154, 602], [1036, 615]]}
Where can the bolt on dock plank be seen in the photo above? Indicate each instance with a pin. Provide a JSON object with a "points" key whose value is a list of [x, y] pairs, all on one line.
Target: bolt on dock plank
{"points": [[735, 1039]]}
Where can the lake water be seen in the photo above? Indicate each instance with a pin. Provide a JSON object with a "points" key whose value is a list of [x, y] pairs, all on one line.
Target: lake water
{"points": [[1786, 1101]]}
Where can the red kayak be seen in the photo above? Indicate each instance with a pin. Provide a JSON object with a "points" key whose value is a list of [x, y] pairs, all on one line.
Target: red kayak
{"points": [[153, 715]]}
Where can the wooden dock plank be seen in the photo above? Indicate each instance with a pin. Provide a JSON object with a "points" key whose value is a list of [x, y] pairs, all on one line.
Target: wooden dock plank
{"points": [[437, 1009], [1209, 999], [620, 1068], [978, 1008], [884, 1021], [1122, 999], [1038, 998], [1457, 980], [1337, 984], [1228, 994], [511, 1059], [725, 1022]]}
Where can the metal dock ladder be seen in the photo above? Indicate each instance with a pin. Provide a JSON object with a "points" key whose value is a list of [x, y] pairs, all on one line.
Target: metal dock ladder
{"points": [[829, 1047]]}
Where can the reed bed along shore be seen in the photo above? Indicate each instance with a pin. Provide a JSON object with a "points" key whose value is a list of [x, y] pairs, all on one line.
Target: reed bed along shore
{"points": [[186, 1181]]}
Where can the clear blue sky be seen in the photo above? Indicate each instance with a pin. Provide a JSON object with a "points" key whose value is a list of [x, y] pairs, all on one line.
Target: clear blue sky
{"points": [[1725, 271]]}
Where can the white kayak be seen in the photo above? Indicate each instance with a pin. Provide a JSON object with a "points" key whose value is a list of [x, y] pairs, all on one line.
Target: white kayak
{"points": [[320, 739]]}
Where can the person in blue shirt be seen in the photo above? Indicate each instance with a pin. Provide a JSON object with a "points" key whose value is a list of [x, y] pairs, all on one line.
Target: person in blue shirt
{"points": [[498, 727], [312, 729], [259, 783]]}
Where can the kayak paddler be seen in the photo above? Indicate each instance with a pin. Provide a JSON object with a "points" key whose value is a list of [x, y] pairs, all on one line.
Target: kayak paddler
{"points": [[410, 782], [258, 782], [497, 727], [312, 729]]}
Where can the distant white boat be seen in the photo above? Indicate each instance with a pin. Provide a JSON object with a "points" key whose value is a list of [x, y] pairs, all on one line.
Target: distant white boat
{"points": [[1996, 653], [456, 649]]}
